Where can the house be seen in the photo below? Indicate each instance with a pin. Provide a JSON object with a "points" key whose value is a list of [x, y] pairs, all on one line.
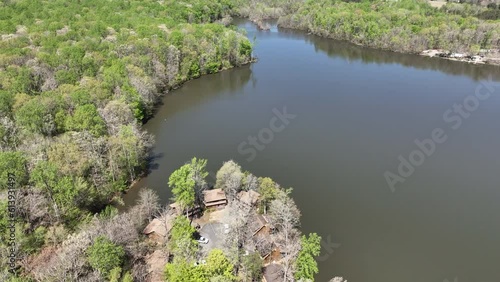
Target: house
{"points": [[214, 198], [158, 229], [249, 198], [259, 225], [261, 237]]}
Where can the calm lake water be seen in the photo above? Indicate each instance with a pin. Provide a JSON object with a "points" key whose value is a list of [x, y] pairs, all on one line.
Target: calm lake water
{"points": [[355, 111]]}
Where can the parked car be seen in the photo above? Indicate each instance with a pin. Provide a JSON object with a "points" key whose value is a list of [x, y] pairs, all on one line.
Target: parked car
{"points": [[202, 240], [196, 263]]}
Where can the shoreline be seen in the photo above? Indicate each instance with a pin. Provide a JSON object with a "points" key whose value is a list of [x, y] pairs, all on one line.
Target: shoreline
{"points": [[144, 174], [483, 58]]}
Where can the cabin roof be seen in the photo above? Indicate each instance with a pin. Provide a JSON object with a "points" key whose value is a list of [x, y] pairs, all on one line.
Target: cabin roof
{"points": [[249, 197], [158, 227], [215, 195]]}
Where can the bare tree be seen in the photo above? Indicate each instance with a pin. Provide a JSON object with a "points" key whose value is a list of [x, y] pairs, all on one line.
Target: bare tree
{"points": [[148, 204], [251, 182], [229, 179], [173, 63], [285, 216], [116, 113]]}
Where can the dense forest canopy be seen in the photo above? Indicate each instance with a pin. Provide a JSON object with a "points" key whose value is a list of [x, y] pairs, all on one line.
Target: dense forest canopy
{"points": [[77, 79]]}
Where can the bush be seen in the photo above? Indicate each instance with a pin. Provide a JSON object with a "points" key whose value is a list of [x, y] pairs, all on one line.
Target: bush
{"points": [[103, 255]]}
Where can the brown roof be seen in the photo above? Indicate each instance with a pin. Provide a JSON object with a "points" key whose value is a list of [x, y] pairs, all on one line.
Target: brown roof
{"points": [[216, 203], [214, 195], [158, 227], [257, 222], [249, 197]]}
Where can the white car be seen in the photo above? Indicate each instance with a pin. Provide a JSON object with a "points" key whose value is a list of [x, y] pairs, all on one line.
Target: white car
{"points": [[203, 240], [226, 228], [200, 262]]}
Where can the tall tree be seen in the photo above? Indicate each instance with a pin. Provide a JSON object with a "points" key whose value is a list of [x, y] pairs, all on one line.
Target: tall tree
{"points": [[183, 187], [285, 216], [103, 255], [229, 178], [187, 181], [218, 266], [268, 190], [182, 243], [305, 265]]}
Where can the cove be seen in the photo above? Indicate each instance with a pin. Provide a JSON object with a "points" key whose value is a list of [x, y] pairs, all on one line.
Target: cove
{"points": [[356, 110]]}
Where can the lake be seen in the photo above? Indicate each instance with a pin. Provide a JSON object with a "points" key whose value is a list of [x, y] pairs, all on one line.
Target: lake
{"points": [[351, 112]]}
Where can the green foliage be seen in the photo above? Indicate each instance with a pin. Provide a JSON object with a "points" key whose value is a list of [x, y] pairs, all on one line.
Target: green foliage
{"points": [[108, 212], [405, 25], [87, 118], [64, 191], [31, 243], [182, 183], [185, 180], [252, 266], [217, 268], [62, 62], [181, 270], [218, 265], [15, 163], [31, 116], [268, 190], [6, 103], [306, 265], [103, 255], [182, 243]]}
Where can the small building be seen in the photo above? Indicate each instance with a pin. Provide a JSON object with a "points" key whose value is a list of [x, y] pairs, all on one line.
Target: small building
{"points": [[214, 198], [158, 229], [249, 198], [259, 225]]}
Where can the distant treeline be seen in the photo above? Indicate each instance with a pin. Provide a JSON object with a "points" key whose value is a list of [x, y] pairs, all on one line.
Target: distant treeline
{"points": [[404, 26]]}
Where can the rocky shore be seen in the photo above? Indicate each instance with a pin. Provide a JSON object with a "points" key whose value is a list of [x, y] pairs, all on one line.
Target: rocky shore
{"points": [[491, 57]]}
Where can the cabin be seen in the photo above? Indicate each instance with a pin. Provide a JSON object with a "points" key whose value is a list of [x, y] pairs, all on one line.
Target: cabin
{"points": [[249, 198], [215, 198], [259, 225], [158, 229]]}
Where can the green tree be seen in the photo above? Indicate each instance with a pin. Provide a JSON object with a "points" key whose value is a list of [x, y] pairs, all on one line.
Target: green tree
{"points": [[15, 163], [218, 265], [181, 270], [183, 187], [182, 242], [86, 117], [103, 255], [306, 265], [268, 190], [32, 116], [62, 190], [252, 267]]}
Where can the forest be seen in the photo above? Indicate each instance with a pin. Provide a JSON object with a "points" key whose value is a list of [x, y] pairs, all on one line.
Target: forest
{"points": [[77, 80], [403, 26]]}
